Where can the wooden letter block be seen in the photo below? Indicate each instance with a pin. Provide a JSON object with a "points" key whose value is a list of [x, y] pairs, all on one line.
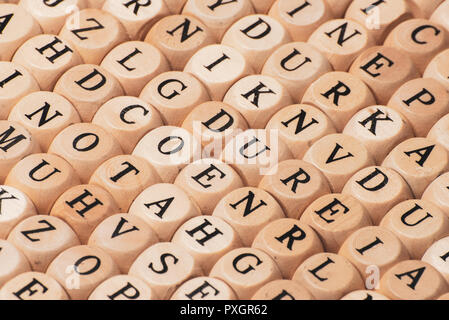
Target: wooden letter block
{"points": [[258, 98], [206, 239], [423, 8], [134, 63], [256, 37], [41, 238], [174, 94], [254, 154], [83, 207], [438, 69], [43, 178], [420, 39], [218, 15], [300, 126], [94, 35], [17, 26], [339, 95], [328, 276], [341, 41], [295, 184], [289, 242], [282, 290], [378, 189], [379, 129], [13, 262], [16, 82], [218, 67], [419, 161], [437, 255], [47, 57], [380, 17], [384, 70], [364, 295], [339, 157], [168, 149], [418, 224], [178, 37], [88, 87], [334, 217], [246, 270], [204, 288], [422, 102], [296, 65], [214, 123], [123, 287], [373, 246], [52, 15], [85, 146], [165, 207], [437, 191], [248, 210], [439, 132], [127, 119], [16, 206], [301, 18], [81, 269], [137, 17], [413, 280], [124, 237], [33, 286], [207, 181], [16, 142], [440, 14], [44, 114], [164, 267]]}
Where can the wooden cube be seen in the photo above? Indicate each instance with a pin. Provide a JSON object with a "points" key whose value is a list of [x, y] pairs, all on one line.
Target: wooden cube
{"points": [[204, 288], [246, 270], [289, 242], [295, 184], [339, 95], [134, 64], [419, 161], [300, 126], [43, 178], [339, 157], [422, 102], [123, 287], [341, 41], [334, 217], [13, 262], [174, 94], [218, 67], [282, 290], [258, 98], [436, 193], [44, 114], [379, 129], [83, 207], [437, 256], [328, 276], [301, 18], [384, 69], [81, 269], [296, 66], [418, 224], [248, 210], [33, 286], [438, 69], [95, 33], [178, 37], [17, 27], [165, 207], [85, 146], [168, 149], [88, 87], [124, 237], [41, 238], [206, 239], [164, 267], [378, 189]]}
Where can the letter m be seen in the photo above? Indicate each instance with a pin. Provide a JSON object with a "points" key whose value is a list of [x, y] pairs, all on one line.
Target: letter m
{"points": [[7, 142]]}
